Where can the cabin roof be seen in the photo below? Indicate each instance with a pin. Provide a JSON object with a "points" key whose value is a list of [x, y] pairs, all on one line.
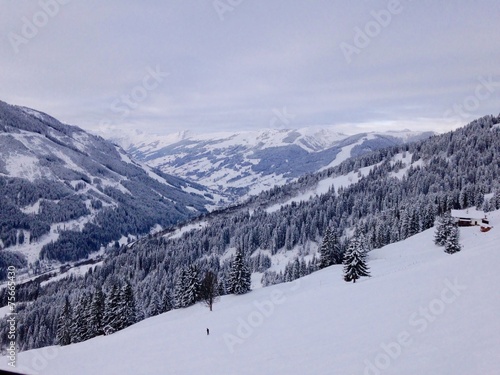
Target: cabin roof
{"points": [[469, 213]]}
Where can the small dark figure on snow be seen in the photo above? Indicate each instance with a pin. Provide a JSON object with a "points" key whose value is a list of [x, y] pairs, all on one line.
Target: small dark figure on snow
{"points": [[208, 332]]}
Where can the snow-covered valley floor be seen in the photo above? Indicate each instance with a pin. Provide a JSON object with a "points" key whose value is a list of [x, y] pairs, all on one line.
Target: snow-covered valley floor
{"points": [[421, 312]]}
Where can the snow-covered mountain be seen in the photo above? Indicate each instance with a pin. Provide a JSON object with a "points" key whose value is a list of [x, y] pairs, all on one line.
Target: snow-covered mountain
{"points": [[378, 199], [422, 311], [68, 192], [246, 163]]}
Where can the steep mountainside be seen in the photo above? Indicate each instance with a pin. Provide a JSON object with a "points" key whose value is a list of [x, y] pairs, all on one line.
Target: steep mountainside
{"points": [[247, 163], [65, 192], [388, 196]]}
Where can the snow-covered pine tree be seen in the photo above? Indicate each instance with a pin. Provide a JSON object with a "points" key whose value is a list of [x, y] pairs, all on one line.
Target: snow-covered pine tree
{"points": [[496, 199], [64, 323], [80, 324], [239, 276], [328, 249], [443, 229], [97, 313], [222, 287], [179, 289], [452, 244], [355, 259], [127, 313], [155, 305], [167, 303], [192, 286], [112, 303]]}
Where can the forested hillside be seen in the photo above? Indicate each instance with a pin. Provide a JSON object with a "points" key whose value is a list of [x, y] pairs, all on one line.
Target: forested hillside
{"points": [[387, 195], [65, 193]]}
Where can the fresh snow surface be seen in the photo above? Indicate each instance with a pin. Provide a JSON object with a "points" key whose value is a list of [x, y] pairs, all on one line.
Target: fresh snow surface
{"points": [[32, 209], [421, 312], [76, 271], [4, 311], [345, 153], [32, 250], [186, 228], [32, 112], [23, 166], [324, 186], [406, 159], [469, 213]]}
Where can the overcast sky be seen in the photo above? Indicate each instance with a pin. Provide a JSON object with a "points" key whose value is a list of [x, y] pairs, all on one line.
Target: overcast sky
{"points": [[205, 65]]}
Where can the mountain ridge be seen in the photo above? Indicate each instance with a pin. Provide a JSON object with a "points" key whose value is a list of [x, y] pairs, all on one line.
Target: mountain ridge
{"points": [[245, 163], [56, 180]]}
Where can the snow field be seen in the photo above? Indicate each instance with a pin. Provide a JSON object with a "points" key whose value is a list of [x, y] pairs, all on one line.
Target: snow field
{"points": [[421, 312]]}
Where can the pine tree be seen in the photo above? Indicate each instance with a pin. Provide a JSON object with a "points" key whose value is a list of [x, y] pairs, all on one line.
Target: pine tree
{"points": [[111, 310], [97, 313], [443, 229], [452, 244], [239, 276], [192, 286], [328, 249], [354, 259], [496, 199], [64, 323], [127, 313], [155, 306], [179, 289], [80, 325], [167, 303]]}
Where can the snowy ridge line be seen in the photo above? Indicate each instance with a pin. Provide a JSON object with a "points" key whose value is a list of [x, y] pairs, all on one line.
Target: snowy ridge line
{"points": [[238, 163]]}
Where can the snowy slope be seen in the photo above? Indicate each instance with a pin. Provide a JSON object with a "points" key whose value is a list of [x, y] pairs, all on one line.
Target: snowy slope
{"points": [[324, 185], [58, 177], [246, 163], [421, 312]]}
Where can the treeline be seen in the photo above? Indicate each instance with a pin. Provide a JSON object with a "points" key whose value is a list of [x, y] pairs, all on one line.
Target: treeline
{"points": [[78, 315]]}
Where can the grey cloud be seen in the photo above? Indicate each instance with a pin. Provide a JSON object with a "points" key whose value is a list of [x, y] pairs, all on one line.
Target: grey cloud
{"points": [[265, 55]]}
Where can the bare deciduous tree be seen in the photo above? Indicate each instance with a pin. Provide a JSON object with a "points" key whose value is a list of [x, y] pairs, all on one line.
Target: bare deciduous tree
{"points": [[209, 289]]}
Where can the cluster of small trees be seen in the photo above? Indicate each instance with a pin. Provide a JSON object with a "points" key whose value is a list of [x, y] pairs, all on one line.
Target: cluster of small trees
{"points": [[330, 251], [190, 287], [96, 314], [293, 270], [239, 277], [353, 257], [493, 203]]}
